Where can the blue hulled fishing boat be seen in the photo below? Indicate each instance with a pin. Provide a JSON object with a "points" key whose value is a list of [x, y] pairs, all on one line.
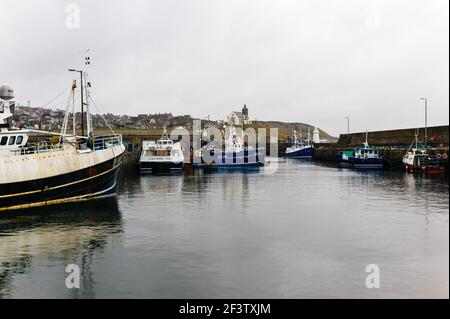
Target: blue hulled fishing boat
{"points": [[362, 157], [299, 148], [233, 154]]}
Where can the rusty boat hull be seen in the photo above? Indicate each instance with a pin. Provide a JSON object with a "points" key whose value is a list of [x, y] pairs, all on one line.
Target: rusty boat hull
{"points": [[80, 181]]}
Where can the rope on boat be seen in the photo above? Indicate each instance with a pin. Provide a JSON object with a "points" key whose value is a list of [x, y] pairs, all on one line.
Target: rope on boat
{"points": [[100, 112], [57, 96]]}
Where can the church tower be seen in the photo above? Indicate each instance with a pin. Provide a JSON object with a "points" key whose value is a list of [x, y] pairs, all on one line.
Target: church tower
{"points": [[245, 118]]}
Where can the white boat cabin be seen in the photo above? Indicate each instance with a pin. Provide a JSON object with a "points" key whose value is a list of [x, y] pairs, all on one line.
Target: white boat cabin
{"points": [[12, 141], [163, 149], [416, 157], [366, 153]]}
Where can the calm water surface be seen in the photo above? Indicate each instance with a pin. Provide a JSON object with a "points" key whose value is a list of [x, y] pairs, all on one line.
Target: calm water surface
{"points": [[305, 231]]}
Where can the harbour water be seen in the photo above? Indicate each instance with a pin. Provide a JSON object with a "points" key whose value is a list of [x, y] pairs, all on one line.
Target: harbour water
{"points": [[304, 231]]}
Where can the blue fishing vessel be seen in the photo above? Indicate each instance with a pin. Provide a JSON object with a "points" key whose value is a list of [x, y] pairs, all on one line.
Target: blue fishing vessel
{"points": [[362, 157], [299, 148], [233, 154]]}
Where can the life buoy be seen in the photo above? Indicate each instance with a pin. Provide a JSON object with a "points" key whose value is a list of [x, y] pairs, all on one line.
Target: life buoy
{"points": [[438, 155], [444, 156]]}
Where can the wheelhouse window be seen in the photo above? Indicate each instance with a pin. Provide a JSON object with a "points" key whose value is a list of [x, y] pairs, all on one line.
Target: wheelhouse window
{"points": [[12, 140], [19, 140], [4, 140]]}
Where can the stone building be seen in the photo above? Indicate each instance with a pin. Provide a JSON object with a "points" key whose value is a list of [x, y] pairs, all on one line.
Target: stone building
{"points": [[239, 118]]}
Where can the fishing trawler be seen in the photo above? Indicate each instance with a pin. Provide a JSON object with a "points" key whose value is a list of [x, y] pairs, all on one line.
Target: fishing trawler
{"points": [[162, 156], [57, 167], [362, 157], [417, 159], [232, 154], [299, 148]]}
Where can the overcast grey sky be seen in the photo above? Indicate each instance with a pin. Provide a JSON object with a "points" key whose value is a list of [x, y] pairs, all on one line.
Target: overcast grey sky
{"points": [[313, 61]]}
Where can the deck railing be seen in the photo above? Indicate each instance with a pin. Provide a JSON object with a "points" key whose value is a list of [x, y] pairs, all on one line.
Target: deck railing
{"points": [[94, 143], [37, 148], [106, 141]]}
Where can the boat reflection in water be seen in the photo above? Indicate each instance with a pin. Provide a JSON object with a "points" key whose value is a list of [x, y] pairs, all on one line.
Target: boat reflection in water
{"points": [[73, 233]]}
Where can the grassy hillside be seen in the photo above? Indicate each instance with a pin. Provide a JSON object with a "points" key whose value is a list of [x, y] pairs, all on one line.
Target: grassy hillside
{"points": [[287, 129]]}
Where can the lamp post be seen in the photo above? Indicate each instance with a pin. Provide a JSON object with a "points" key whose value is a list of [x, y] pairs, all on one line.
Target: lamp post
{"points": [[348, 124], [426, 119], [82, 102], [348, 129]]}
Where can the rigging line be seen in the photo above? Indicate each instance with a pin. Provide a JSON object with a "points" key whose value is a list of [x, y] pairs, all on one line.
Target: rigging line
{"points": [[99, 101], [59, 103], [65, 120], [56, 104], [101, 114], [100, 110], [61, 93]]}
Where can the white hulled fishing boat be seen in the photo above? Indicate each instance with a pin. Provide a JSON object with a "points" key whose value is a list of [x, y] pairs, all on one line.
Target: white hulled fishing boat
{"points": [[61, 167], [162, 155]]}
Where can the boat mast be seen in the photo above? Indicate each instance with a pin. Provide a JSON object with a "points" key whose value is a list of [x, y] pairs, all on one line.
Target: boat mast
{"points": [[66, 116], [87, 61], [74, 115], [82, 103], [82, 100], [416, 137], [415, 142], [366, 143], [82, 86], [308, 141], [88, 112]]}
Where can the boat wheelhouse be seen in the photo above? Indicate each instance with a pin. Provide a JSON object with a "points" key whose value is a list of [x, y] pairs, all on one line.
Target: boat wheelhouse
{"points": [[12, 141]]}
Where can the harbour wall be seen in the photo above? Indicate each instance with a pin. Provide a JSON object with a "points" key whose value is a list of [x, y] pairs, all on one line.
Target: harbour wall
{"points": [[392, 144], [437, 137]]}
